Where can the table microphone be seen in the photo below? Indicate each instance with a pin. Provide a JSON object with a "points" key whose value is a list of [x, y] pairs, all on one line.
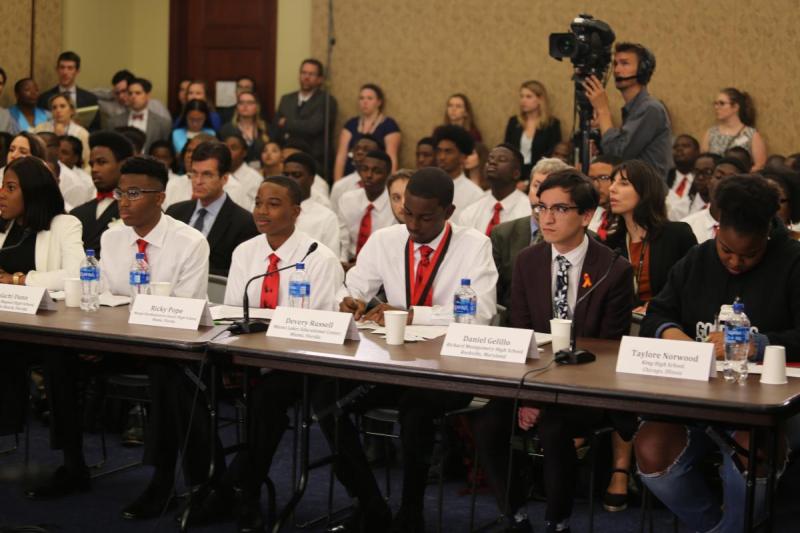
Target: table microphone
{"points": [[572, 356], [252, 326]]}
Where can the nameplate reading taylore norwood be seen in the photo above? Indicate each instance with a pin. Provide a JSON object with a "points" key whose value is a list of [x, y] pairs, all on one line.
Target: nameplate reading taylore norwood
{"points": [[25, 300], [510, 345], [312, 325], [170, 312], [666, 358]]}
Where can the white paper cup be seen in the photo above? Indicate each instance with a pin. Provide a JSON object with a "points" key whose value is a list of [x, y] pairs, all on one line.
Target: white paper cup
{"points": [[161, 288], [72, 292], [395, 326], [774, 370], [561, 330]]}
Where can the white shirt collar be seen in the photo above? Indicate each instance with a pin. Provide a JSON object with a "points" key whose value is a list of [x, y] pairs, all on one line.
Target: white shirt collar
{"points": [[286, 250], [155, 237], [434, 242], [574, 256]]}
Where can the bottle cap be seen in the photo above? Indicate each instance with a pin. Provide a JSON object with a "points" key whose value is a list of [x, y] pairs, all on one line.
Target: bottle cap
{"points": [[738, 307], [89, 252], [465, 282], [139, 255], [300, 266]]}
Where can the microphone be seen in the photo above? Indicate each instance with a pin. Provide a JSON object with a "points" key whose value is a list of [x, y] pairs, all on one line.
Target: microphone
{"points": [[624, 78], [251, 326], [579, 357], [338, 407]]}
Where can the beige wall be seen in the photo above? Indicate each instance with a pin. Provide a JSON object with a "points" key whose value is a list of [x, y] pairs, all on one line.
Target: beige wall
{"points": [[421, 51], [294, 43]]}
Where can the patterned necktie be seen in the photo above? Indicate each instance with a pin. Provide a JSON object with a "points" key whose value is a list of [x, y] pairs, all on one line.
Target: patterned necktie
{"points": [[495, 218], [682, 187], [560, 303], [271, 284], [201, 219], [142, 244], [365, 229]]}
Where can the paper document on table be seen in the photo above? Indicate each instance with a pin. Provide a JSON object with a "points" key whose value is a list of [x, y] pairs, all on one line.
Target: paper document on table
{"points": [[753, 368], [368, 324], [230, 312], [58, 295], [542, 338], [416, 332], [110, 300]]}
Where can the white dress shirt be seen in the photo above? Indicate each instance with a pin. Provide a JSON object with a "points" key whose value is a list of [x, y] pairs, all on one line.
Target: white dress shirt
{"points": [[348, 183], [465, 193], [140, 124], [321, 186], [251, 258], [176, 252], [575, 258], [679, 207], [597, 219], [102, 205], [250, 179], [353, 205], [479, 214], [74, 189], [702, 224], [382, 263], [322, 224], [179, 189]]}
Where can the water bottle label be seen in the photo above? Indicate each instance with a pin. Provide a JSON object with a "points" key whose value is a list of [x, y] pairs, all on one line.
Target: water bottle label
{"points": [[139, 278], [89, 274], [737, 335], [464, 306], [299, 289]]}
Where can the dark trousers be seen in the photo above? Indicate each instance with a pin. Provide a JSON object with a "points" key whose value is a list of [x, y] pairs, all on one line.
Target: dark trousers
{"points": [[13, 386], [418, 411]]}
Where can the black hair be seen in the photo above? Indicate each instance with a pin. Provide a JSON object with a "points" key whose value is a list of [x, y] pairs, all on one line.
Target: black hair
{"points": [[579, 187], [148, 166], [4, 75], [795, 161], [20, 83], [691, 139], [134, 135], [40, 192], [302, 158], [119, 144], [369, 137], [746, 204], [378, 92], [742, 154], [514, 152], [711, 155], [426, 140], [77, 146], [733, 161], [145, 83], [5, 142], [456, 134], [236, 135], [37, 146], [297, 144], [195, 105], [381, 155], [650, 212], [122, 75], [214, 150], [292, 187], [607, 159], [316, 62], [789, 182], [70, 56], [163, 143], [432, 183]]}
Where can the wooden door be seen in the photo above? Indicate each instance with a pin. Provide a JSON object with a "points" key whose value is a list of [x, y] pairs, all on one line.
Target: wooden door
{"points": [[216, 40]]}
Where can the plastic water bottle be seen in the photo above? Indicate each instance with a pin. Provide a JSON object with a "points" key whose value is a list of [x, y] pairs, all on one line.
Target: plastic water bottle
{"points": [[139, 279], [465, 303], [299, 288], [90, 281], [737, 344]]}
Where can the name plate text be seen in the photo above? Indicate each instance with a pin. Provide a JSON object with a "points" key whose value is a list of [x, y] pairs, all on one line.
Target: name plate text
{"points": [[170, 312], [312, 325], [666, 358], [25, 300], [492, 343]]}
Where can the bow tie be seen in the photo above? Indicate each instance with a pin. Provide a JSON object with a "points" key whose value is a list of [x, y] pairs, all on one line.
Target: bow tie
{"points": [[138, 116], [104, 195]]}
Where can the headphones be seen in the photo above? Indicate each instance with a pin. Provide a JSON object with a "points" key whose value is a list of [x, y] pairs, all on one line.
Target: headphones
{"points": [[647, 64]]}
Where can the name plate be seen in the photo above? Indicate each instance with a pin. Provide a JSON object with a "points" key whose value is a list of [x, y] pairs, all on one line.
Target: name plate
{"points": [[25, 300], [511, 345], [666, 358], [170, 312], [312, 325]]}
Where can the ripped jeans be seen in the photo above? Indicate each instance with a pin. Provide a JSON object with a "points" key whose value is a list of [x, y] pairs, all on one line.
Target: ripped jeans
{"points": [[684, 490]]}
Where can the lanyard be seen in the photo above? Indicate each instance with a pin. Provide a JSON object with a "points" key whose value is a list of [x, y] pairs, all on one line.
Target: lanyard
{"points": [[641, 260], [423, 294]]}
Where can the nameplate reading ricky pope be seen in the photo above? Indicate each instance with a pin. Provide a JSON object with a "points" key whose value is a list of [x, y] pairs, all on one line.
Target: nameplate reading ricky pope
{"points": [[312, 325], [25, 300], [170, 312], [666, 358], [489, 342]]}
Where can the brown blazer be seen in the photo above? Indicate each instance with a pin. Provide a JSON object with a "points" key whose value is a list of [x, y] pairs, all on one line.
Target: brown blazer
{"points": [[605, 314]]}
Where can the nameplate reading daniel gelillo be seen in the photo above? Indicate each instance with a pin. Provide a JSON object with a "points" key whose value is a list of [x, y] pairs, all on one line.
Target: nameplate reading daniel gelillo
{"points": [[666, 358], [170, 312], [25, 300], [312, 325], [493, 343]]}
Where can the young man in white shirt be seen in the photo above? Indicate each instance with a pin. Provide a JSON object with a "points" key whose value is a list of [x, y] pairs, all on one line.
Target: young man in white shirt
{"points": [[315, 220], [366, 210], [600, 173], [453, 145], [435, 251], [685, 151], [365, 144], [704, 223], [319, 190], [506, 202]]}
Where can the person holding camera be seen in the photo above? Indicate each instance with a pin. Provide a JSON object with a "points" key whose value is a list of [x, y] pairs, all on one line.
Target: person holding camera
{"points": [[645, 131]]}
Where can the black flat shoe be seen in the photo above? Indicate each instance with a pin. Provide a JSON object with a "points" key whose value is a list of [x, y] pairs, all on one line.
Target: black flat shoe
{"points": [[154, 501], [63, 482]]}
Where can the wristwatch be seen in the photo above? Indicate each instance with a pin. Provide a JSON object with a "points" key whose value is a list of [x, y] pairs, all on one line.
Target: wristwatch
{"points": [[16, 277]]}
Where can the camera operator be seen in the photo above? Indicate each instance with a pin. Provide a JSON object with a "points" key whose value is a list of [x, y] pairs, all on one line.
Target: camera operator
{"points": [[645, 132]]}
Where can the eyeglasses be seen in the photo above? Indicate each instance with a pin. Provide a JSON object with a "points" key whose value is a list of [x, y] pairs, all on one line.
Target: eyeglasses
{"points": [[557, 210], [704, 171], [202, 175], [720, 103], [133, 194], [601, 178]]}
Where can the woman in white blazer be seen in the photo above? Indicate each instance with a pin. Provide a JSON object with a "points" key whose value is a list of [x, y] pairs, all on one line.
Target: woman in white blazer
{"points": [[47, 245]]}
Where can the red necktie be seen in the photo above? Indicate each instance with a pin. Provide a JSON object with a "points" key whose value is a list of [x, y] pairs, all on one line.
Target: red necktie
{"points": [[269, 287], [602, 231], [495, 218], [425, 252], [682, 187], [142, 244], [104, 195], [138, 116], [365, 230]]}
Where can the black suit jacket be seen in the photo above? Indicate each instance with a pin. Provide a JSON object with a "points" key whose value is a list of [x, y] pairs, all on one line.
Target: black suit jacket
{"points": [[604, 314], [543, 143], [307, 123], [83, 98], [233, 226], [93, 228], [666, 249]]}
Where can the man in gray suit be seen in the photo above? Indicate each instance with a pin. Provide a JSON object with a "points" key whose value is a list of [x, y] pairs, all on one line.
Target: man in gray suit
{"points": [[301, 114], [154, 126]]}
